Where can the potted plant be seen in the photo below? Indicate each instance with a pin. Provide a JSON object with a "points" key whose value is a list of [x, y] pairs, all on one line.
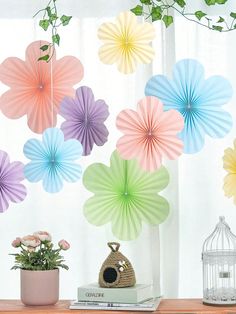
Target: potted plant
{"points": [[39, 264]]}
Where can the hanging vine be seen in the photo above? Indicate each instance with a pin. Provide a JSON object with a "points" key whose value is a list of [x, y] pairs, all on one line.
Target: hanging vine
{"points": [[159, 10], [51, 21]]}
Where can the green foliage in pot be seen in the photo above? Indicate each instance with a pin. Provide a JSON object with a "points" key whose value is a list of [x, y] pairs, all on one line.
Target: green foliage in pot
{"points": [[38, 252]]}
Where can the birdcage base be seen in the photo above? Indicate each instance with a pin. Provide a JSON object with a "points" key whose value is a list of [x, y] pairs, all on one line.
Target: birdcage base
{"points": [[220, 296], [218, 303]]}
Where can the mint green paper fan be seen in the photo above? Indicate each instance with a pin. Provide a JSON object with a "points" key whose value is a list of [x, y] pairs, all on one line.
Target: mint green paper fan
{"points": [[125, 195]]}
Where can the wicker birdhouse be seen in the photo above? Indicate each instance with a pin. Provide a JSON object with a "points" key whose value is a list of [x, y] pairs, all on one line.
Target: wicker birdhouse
{"points": [[116, 271]]}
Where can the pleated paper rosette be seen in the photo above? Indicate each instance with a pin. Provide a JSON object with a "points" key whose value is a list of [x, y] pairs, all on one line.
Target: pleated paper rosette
{"points": [[125, 195], [149, 133], [199, 100], [52, 160]]}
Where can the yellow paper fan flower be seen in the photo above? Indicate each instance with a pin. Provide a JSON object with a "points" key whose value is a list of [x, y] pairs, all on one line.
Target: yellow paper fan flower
{"points": [[230, 166], [126, 42]]}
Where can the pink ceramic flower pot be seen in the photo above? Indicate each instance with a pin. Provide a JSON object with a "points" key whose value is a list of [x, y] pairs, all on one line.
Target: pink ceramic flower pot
{"points": [[39, 287]]}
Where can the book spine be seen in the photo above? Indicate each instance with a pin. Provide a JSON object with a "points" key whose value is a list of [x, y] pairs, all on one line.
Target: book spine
{"points": [[106, 296], [81, 307], [112, 304]]}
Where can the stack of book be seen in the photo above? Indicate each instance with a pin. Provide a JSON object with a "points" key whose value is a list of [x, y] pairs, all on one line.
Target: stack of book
{"points": [[137, 298]]}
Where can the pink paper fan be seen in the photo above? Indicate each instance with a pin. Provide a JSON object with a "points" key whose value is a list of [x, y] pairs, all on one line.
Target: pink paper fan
{"points": [[37, 87], [150, 133]]}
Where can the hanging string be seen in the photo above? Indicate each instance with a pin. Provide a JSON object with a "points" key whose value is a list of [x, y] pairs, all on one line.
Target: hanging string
{"points": [[51, 81]]}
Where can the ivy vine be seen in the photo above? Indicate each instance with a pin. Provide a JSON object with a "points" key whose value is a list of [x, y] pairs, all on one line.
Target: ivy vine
{"points": [[51, 20], [159, 10]]}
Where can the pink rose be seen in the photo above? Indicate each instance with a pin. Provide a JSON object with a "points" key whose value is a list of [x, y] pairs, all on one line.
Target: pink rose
{"points": [[64, 245], [43, 235], [16, 242], [30, 240]]}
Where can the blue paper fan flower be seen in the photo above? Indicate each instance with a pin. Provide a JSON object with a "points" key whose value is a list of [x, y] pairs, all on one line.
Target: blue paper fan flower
{"points": [[52, 160], [197, 99]]}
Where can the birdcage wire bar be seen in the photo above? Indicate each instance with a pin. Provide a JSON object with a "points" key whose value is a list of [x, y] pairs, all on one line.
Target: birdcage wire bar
{"points": [[219, 266]]}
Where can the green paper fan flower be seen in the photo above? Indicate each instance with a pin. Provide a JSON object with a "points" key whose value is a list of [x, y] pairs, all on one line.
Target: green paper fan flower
{"points": [[125, 195]]}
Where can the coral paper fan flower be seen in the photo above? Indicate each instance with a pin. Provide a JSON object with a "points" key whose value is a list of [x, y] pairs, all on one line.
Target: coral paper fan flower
{"points": [[229, 160], [126, 42], [197, 99], [52, 160], [125, 195], [11, 174], [149, 133], [85, 119], [37, 87]]}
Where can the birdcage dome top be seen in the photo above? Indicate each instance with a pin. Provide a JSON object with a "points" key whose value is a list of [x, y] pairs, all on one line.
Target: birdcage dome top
{"points": [[221, 239]]}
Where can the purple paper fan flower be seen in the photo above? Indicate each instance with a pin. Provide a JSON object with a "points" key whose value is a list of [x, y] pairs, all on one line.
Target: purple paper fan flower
{"points": [[10, 187], [85, 119]]}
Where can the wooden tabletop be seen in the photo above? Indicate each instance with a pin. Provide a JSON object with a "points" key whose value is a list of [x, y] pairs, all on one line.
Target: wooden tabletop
{"points": [[170, 306]]}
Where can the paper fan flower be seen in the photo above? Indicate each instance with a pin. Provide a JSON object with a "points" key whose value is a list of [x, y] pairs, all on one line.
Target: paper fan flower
{"points": [[52, 160], [229, 160], [150, 133], [126, 42], [37, 87], [85, 119], [125, 195], [11, 174], [197, 99]]}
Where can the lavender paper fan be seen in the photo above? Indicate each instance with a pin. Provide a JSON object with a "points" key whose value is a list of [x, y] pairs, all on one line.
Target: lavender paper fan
{"points": [[11, 174], [85, 119]]}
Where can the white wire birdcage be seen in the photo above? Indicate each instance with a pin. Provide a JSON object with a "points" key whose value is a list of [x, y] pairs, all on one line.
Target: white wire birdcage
{"points": [[219, 266]]}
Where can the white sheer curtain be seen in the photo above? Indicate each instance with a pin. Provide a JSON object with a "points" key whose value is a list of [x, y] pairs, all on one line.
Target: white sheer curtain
{"points": [[195, 191], [198, 178], [62, 213]]}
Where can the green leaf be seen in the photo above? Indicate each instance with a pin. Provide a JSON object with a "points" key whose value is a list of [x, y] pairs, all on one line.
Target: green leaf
{"points": [[210, 2], [213, 2], [44, 24], [233, 15], [148, 2], [138, 10], [44, 58], [44, 47], [221, 19], [52, 18], [56, 39], [156, 13], [234, 25], [181, 3], [217, 28], [49, 12], [65, 19], [168, 20], [199, 15]]}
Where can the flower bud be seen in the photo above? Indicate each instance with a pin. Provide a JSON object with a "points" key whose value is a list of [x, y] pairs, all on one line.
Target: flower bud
{"points": [[16, 242], [64, 245]]}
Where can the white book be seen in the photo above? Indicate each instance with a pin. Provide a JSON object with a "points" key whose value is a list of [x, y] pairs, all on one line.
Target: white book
{"points": [[149, 305], [92, 292]]}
